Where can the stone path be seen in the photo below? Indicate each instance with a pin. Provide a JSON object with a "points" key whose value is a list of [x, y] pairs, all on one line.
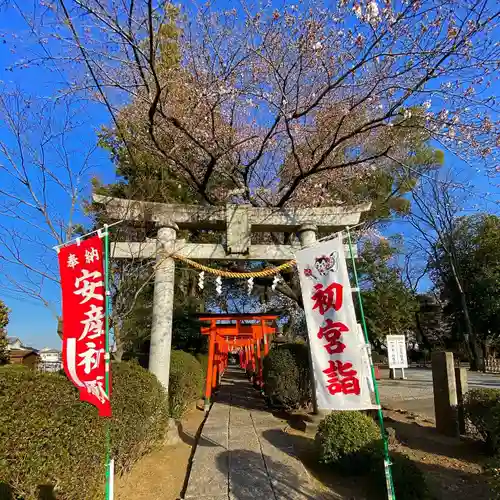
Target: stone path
{"points": [[243, 453], [416, 393]]}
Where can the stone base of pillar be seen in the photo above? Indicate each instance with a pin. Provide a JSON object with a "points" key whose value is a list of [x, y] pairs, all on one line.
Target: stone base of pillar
{"points": [[445, 393], [172, 437], [313, 420]]}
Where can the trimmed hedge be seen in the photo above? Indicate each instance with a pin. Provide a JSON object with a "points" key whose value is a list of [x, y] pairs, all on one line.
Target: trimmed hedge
{"points": [[287, 375], [409, 481], [482, 412], [49, 438], [492, 471], [348, 440], [140, 413], [203, 360], [187, 379]]}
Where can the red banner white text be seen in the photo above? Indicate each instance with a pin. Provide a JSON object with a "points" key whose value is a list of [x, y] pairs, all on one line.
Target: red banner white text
{"points": [[83, 305]]}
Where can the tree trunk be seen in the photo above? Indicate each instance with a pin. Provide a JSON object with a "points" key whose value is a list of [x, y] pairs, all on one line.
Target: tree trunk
{"points": [[486, 350], [476, 356], [477, 361], [119, 350], [193, 285], [423, 337], [118, 354], [60, 326]]}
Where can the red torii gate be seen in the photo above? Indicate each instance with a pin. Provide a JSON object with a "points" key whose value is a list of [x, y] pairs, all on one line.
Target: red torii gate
{"points": [[247, 338]]}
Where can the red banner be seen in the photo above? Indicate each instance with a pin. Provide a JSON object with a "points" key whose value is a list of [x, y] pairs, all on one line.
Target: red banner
{"points": [[83, 305]]}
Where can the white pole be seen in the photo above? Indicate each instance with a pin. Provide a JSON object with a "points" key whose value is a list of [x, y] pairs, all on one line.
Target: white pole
{"points": [[111, 478]]}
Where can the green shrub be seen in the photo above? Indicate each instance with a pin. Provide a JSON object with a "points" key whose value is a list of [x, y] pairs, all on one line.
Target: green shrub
{"points": [[492, 471], [482, 412], [287, 376], [203, 360], [348, 440], [14, 367], [186, 382], [379, 359], [140, 413], [49, 437], [409, 481]]}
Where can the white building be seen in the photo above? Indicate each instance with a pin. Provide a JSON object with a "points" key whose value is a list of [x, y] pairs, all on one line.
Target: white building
{"points": [[14, 343], [50, 360]]}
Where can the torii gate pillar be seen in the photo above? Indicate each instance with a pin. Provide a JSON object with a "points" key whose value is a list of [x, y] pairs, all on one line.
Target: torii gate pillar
{"points": [[163, 305], [307, 235]]}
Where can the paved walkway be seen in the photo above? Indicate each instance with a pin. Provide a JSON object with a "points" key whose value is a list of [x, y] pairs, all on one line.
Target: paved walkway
{"points": [[243, 452], [415, 394]]}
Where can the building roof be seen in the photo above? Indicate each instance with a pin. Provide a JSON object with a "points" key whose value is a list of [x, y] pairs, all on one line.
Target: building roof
{"points": [[12, 340], [22, 353], [49, 350]]}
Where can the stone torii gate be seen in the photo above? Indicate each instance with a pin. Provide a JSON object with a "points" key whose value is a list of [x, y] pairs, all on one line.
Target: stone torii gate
{"points": [[239, 222]]}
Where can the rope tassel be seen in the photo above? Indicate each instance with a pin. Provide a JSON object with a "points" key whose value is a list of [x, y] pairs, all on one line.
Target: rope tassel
{"points": [[201, 280], [250, 286], [218, 285], [276, 280], [230, 274]]}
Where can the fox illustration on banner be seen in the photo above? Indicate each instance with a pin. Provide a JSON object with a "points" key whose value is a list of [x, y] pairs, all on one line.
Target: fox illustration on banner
{"points": [[83, 305]]}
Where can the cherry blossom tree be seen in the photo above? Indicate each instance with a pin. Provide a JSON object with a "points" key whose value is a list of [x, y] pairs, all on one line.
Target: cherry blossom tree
{"points": [[283, 106], [309, 104]]}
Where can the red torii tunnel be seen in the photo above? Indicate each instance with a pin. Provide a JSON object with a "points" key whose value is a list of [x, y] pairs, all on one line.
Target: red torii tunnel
{"points": [[248, 334]]}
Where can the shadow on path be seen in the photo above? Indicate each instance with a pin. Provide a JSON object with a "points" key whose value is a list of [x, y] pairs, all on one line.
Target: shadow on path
{"points": [[254, 480], [428, 440], [303, 448]]}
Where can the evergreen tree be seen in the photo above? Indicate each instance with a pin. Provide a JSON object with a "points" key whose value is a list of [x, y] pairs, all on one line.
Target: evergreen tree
{"points": [[476, 261], [389, 304]]}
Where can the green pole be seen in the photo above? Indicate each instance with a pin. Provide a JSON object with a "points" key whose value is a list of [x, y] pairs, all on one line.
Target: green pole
{"points": [[391, 495], [108, 487]]}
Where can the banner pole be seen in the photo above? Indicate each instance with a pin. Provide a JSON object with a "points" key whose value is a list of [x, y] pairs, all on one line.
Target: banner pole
{"points": [[391, 495], [107, 358]]}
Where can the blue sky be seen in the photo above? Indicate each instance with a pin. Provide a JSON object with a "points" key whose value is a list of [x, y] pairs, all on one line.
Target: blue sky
{"points": [[30, 320]]}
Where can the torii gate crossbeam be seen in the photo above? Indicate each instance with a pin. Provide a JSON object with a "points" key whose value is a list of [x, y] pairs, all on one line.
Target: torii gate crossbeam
{"points": [[239, 222]]}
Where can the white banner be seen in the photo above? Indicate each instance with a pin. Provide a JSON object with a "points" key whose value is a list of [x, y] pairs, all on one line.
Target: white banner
{"points": [[340, 361], [396, 351]]}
